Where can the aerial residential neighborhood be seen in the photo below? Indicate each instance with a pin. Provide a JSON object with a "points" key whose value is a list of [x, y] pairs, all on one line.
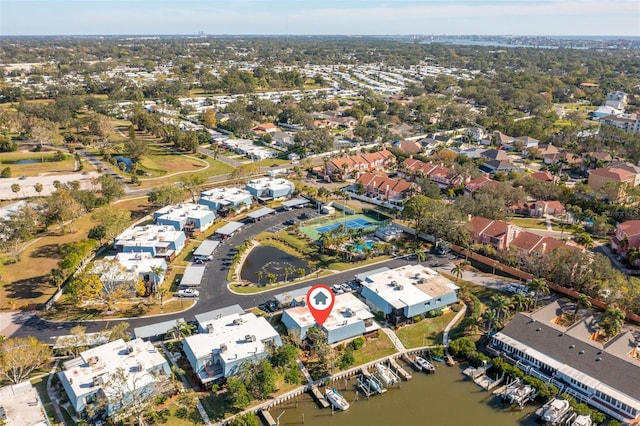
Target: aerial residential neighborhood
{"points": [[468, 204]]}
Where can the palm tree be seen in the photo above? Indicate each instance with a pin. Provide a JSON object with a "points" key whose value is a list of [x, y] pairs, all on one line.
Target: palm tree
{"points": [[271, 277], [457, 271], [419, 254], [500, 305], [538, 286], [490, 319], [162, 292], [260, 275], [287, 271], [38, 187], [612, 321], [584, 301], [520, 302], [182, 329], [156, 273]]}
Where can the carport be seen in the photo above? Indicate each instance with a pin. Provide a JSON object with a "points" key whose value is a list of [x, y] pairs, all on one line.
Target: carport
{"points": [[192, 276], [229, 229], [156, 331], [259, 214], [296, 202]]}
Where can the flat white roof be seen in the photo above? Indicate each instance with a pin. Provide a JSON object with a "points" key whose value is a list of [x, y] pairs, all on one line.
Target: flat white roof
{"points": [[22, 406], [229, 228], [106, 359], [192, 276], [159, 328], [139, 263], [148, 235], [219, 313], [223, 331], [296, 202], [185, 210], [270, 182], [260, 213], [206, 248], [408, 285], [347, 309], [226, 195]]}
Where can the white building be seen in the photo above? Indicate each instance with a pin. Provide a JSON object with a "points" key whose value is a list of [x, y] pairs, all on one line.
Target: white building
{"points": [[228, 342], [220, 199], [157, 240], [617, 100], [407, 291], [188, 217], [269, 188], [151, 270], [92, 378], [21, 405], [349, 318]]}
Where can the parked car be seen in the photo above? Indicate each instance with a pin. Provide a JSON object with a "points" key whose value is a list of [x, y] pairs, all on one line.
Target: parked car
{"points": [[345, 287], [198, 261], [337, 289], [188, 292]]}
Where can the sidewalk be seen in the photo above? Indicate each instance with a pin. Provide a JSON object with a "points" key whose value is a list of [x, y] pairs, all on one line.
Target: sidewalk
{"points": [[394, 339]]}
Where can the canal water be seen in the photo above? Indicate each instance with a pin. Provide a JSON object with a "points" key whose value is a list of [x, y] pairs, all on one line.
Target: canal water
{"points": [[441, 399]]}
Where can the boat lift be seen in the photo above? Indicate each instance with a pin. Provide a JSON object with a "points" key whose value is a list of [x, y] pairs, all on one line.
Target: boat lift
{"points": [[364, 383]]}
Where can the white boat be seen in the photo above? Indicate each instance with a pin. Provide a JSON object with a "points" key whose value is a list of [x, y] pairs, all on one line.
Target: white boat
{"points": [[518, 394], [582, 420], [337, 400], [425, 365], [555, 410], [386, 375]]}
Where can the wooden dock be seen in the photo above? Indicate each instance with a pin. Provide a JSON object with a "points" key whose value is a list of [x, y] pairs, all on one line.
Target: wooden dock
{"points": [[268, 418], [399, 370], [450, 360], [322, 401]]}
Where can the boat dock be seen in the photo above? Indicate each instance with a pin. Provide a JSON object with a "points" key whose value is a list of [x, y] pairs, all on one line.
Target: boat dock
{"points": [[365, 383], [322, 401], [268, 418], [516, 392], [399, 370], [479, 377]]}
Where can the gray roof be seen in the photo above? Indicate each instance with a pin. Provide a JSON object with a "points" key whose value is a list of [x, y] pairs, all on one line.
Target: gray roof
{"points": [[219, 313], [260, 213], [229, 228], [363, 276], [156, 329], [295, 202], [206, 248], [192, 276], [620, 373]]}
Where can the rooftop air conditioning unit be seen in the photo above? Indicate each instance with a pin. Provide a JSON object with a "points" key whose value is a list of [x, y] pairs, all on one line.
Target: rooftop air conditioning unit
{"points": [[98, 380], [399, 287], [93, 360], [238, 321], [223, 348], [250, 338], [130, 349], [210, 328]]}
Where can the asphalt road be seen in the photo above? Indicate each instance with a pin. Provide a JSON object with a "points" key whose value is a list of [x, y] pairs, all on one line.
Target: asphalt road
{"points": [[214, 293]]}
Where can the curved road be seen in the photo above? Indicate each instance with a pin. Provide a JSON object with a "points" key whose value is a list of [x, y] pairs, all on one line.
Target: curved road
{"points": [[214, 293]]}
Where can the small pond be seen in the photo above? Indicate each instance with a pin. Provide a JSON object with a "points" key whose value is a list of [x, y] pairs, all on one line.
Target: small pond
{"points": [[269, 260], [23, 161]]}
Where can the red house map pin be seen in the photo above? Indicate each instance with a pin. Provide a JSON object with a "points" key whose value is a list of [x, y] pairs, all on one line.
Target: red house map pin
{"points": [[320, 300]]}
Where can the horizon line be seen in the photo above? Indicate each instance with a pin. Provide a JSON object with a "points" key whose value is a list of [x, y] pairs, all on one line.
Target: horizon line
{"points": [[197, 34]]}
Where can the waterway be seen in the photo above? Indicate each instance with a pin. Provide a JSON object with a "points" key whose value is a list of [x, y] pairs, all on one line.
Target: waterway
{"points": [[441, 399]]}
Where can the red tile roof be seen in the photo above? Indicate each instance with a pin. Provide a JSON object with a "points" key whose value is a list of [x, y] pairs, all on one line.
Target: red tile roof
{"points": [[619, 175], [542, 176], [630, 227]]}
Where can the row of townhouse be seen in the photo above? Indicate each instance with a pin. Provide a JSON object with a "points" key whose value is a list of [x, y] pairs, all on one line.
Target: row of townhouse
{"points": [[504, 236], [604, 375], [438, 174], [384, 189], [359, 163]]}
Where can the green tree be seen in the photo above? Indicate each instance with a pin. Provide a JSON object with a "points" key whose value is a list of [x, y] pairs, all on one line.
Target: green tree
{"points": [[584, 301], [457, 271], [612, 321], [136, 149], [15, 188], [538, 286], [21, 356], [271, 277], [111, 188], [166, 195], [191, 184], [249, 419], [114, 220], [38, 187], [237, 393], [6, 172], [288, 270]]}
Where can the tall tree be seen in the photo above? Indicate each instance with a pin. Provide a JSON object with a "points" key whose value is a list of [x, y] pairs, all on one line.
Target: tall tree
{"points": [[584, 301], [21, 356], [166, 195], [538, 286], [113, 219], [191, 184], [111, 188]]}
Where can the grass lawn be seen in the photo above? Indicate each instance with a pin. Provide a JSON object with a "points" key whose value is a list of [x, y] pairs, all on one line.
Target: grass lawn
{"points": [[174, 420], [41, 386], [374, 349], [529, 222], [425, 333], [26, 281], [216, 168], [44, 164], [161, 161], [268, 162]]}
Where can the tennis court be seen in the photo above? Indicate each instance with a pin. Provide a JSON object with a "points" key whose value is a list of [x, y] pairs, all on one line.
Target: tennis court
{"points": [[357, 223]]}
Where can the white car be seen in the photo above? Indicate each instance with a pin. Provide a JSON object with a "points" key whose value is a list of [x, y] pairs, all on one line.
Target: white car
{"points": [[188, 292]]}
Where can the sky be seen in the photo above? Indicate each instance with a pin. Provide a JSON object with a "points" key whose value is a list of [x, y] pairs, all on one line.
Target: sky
{"points": [[350, 17]]}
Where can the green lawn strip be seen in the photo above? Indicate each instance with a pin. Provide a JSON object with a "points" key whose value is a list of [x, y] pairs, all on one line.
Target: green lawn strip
{"points": [[193, 418], [374, 349], [41, 386], [527, 222], [345, 266], [425, 333]]}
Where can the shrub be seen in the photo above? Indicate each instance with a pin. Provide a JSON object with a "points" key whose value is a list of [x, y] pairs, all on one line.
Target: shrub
{"points": [[6, 172], [418, 318], [462, 347], [357, 343], [434, 313], [456, 307]]}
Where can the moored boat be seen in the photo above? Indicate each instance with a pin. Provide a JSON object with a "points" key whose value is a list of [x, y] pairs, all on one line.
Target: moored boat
{"points": [[374, 385], [555, 410], [386, 375], [582, 420], [425, 365], [337, 400]]}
